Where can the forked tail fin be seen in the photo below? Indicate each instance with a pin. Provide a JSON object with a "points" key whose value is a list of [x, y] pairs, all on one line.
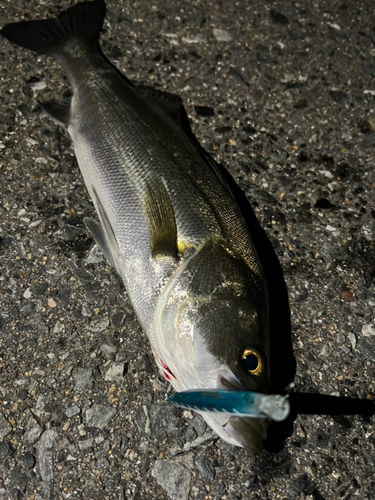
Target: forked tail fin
{"points": [[82, 21]]}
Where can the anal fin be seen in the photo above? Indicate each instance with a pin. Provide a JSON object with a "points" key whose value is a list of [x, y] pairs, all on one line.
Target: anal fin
{"points": [[160, 219], [59, 111]]}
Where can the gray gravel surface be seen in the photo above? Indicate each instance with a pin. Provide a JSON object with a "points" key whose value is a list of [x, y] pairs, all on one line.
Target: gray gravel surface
{"points": [[283, 94]]}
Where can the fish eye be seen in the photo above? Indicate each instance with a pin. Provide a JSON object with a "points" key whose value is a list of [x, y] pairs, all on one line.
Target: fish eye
{"points": [[252, 362]]}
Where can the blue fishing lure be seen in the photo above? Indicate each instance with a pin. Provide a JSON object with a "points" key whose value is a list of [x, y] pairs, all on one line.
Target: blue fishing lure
{"points": [[240, 403]]}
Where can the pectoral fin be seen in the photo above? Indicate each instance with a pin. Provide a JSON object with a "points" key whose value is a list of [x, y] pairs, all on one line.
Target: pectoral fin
{"points": [[103, 233], [160, 219]]}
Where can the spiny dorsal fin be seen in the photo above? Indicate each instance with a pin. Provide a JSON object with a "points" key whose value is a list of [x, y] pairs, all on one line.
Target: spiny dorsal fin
{"points": [[172, 105], [59, 111], [160, 219]]}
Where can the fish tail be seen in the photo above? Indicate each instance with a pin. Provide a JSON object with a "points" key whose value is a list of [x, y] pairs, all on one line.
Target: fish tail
{"points": [[49, 36]]}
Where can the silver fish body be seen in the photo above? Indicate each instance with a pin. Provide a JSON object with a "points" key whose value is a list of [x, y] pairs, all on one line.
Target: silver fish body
{"points": [[168, 221]]}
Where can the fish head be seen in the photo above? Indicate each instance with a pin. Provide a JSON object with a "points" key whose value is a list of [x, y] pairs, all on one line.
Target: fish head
{"points": [[216, 336], [235, 354]]}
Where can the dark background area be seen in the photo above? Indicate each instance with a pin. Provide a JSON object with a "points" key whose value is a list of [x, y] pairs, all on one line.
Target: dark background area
{"points": [[283, 95]]}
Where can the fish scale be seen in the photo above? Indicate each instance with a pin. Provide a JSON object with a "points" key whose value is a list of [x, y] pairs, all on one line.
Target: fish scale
{"points": [[168, 220]]}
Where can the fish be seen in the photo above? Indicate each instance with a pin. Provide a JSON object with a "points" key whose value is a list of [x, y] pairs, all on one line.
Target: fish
{"points": [[168, 221]]}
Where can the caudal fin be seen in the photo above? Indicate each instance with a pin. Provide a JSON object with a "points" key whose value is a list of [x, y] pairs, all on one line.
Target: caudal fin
{"points": [[48, 36]]}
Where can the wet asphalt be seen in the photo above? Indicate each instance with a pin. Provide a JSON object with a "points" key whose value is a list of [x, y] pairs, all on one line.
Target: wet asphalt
{"points": [[283, 95]]}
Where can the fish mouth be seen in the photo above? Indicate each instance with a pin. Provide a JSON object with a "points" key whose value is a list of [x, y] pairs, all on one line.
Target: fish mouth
{"points": [[246, 432]]}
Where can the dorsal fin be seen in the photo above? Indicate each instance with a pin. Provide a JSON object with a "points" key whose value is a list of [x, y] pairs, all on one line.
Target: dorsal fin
{"points": [[173, 106]]}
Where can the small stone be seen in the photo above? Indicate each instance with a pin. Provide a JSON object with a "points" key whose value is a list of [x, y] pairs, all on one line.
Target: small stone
{"points": [[112, 483], [18, 478], [337, 96], [63, 293], [51, 302], [303, 296], [206, 438], [303, 485], [124, 442], [107, 350], [7, 449], [222, 35], [84, 379], [27, 293], [5, 427], [98, 325], [28, 460], [199, 38], [347, 296], [205, 468], [14, 312], [326, 351], [86, 444], [33, 430], [40, 289], [115, 372], [218, 489], [22, 394], [353, 339], [161, 420], [128, 353], [99, 415], [27, 308], [45, 460], [35, 223], [102, 463], [67, 369], [81, 429], [144, 445], [174, 478], [38, 323], [368, 330], [190, 434], [72, 410], [158, 385], [40, 407], [199, 425], [367, 348], [95, 256]]}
